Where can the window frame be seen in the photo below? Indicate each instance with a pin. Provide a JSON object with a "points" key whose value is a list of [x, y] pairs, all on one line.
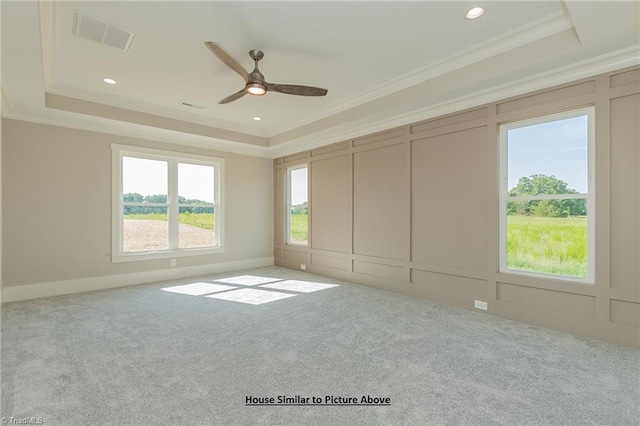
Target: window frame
{"points": [[288, 207], [173, 206], [504, 198]]}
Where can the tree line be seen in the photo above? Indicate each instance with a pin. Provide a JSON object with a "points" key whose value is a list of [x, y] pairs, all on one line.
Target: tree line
{"points": [[543, 184], [161, 198], [300, 208]]}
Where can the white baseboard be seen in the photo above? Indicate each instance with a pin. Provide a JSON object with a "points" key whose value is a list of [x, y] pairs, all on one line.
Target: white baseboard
{"points": [[57, 288]]}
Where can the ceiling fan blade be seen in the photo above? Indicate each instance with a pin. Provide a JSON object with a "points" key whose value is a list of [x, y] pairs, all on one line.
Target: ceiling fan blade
{"points": [[237, 95], [227, 59], [292, 89]]}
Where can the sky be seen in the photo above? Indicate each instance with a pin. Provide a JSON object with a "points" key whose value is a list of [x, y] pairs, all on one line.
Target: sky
{"points": [[149, 177], [558, 148], [299, 187]]}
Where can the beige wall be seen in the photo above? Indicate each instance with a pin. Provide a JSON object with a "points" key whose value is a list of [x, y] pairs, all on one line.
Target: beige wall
{"points": [[0, 213], [388, 210], [57, 205]]}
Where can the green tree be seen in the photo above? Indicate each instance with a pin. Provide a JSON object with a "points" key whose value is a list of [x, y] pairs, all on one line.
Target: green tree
{"points": [[543, 184], [133, 197], [300, 208]]}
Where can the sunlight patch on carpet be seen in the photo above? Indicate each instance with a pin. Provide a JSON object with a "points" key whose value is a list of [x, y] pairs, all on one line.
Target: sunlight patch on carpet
{"points": [[299, 286], [251, 296], [198, 289], [248, 280]]}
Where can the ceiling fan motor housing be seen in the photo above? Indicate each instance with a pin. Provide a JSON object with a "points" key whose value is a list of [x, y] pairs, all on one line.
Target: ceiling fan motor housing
{"points": [[255, 84]]}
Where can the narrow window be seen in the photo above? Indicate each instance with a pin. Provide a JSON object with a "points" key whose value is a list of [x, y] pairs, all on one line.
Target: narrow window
{"points": [[297, 206], [547, 195], [165, 204]]}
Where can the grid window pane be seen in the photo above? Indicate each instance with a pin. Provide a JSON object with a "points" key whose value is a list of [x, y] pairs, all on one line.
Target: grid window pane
{"points": [[196, 227], [145, 232], [195, 184], [298, 207], [549, 158], [299, 226], [545, 244], [144, 180]]}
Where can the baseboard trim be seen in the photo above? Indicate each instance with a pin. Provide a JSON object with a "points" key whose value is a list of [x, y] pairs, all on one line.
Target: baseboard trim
{"points": [[57, 288]]}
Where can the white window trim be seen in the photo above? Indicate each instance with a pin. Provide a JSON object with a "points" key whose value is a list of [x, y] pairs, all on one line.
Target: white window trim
{"points": [[289, 170], [173, 158], [503, 191]]}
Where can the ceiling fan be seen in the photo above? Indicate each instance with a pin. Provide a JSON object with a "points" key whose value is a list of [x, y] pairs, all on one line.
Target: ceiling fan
{"points": [[255, 83]]}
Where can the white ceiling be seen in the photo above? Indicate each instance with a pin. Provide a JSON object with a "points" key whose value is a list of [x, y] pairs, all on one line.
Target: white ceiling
{"points": [[384, 64]]}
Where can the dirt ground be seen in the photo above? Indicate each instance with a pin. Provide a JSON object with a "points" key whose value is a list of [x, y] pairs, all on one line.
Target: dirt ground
{"points": [[144, 235]]}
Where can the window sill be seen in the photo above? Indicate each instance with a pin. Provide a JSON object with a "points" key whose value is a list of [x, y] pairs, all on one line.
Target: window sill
{"points": [[165, 254]]}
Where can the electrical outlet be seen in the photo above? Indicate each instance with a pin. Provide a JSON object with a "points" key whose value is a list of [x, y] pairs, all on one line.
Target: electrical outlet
{"points": [[173, 263], [479, 304], [303, 266]]}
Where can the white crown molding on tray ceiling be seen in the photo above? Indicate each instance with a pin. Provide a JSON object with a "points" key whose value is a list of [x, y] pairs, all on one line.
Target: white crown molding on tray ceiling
{"points": [[531, 32], [536, 30], [91, 123], [189, 115], [48, 14], [609, 62], [605, 63]]}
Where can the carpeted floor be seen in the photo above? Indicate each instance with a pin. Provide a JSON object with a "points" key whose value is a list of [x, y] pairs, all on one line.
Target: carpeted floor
{"points": [[167, 354]]}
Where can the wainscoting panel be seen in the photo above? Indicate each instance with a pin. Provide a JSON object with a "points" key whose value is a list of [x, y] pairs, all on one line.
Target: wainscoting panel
{"points": [[625, 78], [448, 200], [555, 301], [330, 196], [379, 202], [296, 256], [625, 313], [625, 193], [547, 97], [470, 287], [342, 264], [379, 270]]}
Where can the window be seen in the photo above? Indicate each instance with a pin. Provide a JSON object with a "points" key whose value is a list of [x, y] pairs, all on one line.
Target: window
{"points": [[165, 204], [297, 206], [546, 196]]}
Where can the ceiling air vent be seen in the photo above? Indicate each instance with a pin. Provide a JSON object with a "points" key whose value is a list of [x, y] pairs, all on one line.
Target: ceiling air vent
{"points": [[87, 26], [190, 105]]}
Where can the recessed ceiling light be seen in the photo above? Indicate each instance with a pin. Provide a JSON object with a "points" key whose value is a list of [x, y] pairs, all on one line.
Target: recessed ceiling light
{"points": [[475, 13], [256, 118], [109, 80]]}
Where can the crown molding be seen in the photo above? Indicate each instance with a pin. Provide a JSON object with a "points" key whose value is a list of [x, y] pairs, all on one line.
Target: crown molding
{"points": [[118, 128], [160, 111], [536, 30], [48, 13], [605, 63]]}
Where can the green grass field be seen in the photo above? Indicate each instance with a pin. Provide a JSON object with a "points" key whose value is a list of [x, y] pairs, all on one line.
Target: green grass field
{"points": [[201, 220], [536, 244], [547, 244], [300, 228]]}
